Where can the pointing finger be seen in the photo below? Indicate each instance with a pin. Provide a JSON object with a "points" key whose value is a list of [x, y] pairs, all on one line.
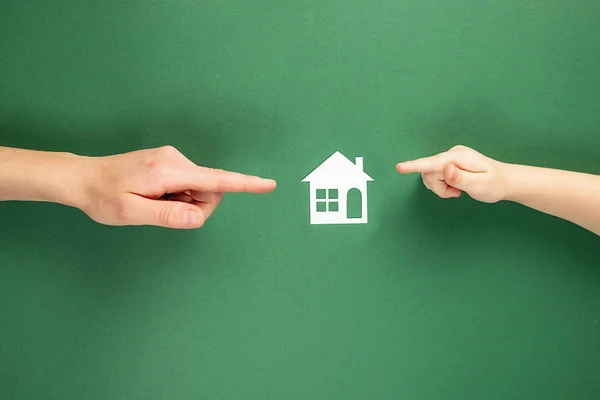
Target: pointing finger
{"points": [[216, 180], [425, 165]]}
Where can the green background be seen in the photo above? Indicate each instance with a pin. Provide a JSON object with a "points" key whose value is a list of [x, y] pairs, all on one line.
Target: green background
{"points": [[432, 299]]}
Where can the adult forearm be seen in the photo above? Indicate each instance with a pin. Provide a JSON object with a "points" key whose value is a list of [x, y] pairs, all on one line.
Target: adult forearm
{"points": [[39, 176], [572, 196]]}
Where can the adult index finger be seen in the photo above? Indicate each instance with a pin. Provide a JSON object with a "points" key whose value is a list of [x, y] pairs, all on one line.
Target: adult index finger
{"points": [[217, 180]]}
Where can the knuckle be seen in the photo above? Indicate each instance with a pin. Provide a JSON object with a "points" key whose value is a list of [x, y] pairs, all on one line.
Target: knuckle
{"points": [[219, 176], [164, 214], [458, 147], [168, 151]]}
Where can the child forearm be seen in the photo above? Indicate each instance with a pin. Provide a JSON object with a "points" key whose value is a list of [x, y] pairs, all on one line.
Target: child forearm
{"points": [[38, 176], [568, 195]]}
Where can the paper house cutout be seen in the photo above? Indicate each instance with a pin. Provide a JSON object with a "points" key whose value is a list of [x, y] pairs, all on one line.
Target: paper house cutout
{"points": [[332, 185]]}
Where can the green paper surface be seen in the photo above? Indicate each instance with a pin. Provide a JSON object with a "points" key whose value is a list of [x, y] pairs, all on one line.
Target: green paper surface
{"points": [[431, 299]]}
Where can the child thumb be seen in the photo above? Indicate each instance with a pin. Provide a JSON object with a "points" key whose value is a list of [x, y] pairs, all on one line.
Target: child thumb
{"points": [[459, 178]]}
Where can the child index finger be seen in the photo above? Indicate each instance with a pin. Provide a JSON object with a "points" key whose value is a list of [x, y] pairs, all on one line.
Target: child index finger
{"points": [[425, 165]]}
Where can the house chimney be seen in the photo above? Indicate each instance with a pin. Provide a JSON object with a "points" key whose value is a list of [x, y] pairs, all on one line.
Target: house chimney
{"points": [[359, 163]]}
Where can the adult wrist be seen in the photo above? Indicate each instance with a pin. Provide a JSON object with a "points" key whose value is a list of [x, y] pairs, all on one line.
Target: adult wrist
{"points": [[67, 179], [29, 175]]}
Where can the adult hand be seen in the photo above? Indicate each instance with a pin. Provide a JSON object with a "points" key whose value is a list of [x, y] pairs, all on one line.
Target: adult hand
{"points": [[158, 187], [460, 169]]}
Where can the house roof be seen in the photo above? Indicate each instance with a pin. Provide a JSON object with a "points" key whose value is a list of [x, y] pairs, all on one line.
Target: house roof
{"points": [[335, 167]]}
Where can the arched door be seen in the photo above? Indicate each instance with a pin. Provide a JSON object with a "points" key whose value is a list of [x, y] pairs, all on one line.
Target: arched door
{"points": [[353, 204]]}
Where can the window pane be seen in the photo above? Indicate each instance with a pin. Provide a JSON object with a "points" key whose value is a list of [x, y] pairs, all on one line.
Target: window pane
{"points": [[333, 206], [333, 194], [321, 206], [321, 194]]}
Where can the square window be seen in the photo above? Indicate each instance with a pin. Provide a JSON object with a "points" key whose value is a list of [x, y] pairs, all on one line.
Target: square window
{"points": [[333, 206], [333, 194], [321, 206], [321, 194]]}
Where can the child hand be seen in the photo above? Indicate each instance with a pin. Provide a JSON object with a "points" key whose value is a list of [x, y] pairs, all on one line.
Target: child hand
{"points": [[460, 169]]}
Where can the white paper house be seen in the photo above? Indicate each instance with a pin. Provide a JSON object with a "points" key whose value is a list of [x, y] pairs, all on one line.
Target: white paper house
{"points": [[332, 184]]}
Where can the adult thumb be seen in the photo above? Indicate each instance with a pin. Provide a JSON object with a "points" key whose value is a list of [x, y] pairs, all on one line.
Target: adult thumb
{"points": [[169, 214], [459, 178]]}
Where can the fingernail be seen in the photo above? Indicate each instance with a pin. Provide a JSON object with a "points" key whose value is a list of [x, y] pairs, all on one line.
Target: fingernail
{"points": [[190, 218], [270, 181]]}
